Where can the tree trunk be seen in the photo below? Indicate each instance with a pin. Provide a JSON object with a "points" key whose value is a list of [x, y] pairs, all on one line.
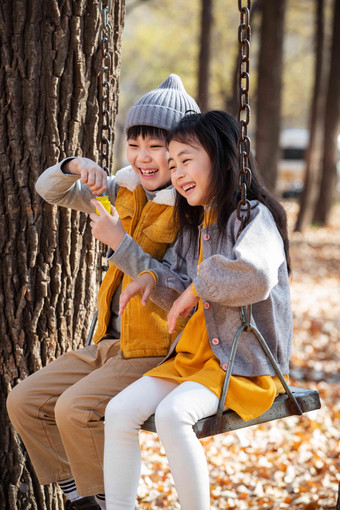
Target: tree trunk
{"points": [[313, 154], [331, 129], [204, 56], [50, 267], [269, 90]]}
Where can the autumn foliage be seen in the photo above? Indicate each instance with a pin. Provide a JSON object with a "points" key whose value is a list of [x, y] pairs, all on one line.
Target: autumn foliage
{"points": [[294, 462]]}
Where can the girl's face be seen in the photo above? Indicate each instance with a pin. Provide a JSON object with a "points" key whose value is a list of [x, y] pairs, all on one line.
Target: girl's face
{"points": [[149, 158], [191, 171]]}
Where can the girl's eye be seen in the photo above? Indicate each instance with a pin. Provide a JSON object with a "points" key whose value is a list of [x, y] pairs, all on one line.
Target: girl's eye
{"points": [[172, 167]]}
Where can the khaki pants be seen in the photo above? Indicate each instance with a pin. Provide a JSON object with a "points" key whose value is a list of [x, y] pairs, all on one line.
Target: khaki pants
{"points": [[58, 412]]}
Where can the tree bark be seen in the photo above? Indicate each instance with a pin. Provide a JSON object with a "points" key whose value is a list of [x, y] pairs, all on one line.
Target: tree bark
{"points": [[269, 89], [314, 151], [50, 265], [204, 56], [331, 128]]}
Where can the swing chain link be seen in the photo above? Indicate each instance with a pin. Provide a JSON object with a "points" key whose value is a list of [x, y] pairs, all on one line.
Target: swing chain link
{"points": [[244, 181], [105, 7]]}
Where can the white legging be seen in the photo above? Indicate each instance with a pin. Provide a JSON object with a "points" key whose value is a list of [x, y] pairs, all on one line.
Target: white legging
{"points": [[177, 407]]}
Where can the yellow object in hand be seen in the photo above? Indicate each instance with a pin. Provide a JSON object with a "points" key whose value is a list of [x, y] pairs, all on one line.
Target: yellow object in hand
{"points": [[104, 200]]}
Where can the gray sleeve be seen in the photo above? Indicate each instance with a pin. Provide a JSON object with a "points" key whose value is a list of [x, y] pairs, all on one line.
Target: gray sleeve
{"points": [[66, 190], [130, 258], [251, 271], [171, 281]]}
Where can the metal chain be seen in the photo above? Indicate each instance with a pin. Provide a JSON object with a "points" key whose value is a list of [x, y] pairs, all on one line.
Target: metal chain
{"points": [[105, 7], [244, 34]]}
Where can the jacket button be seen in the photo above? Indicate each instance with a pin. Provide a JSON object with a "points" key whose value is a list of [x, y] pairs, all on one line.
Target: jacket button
{"points": [[215, 341], [206, 305], [206, 237], [225, 366]]}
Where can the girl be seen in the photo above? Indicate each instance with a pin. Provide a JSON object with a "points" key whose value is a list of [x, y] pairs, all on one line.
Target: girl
{"points": [[216, 271]]}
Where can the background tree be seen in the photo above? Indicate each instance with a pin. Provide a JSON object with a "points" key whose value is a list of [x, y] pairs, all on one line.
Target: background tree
{"points": [[50, 64], [331, 128], [313, 154], [204, 55], [268, 118]]}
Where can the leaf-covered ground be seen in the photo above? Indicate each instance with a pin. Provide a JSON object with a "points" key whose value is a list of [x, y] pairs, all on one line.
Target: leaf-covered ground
{"points": [[294, 462]]}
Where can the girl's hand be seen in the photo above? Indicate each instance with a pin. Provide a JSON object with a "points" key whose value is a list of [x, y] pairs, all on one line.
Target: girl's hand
{"points": [[90, 174], [106, 227], [182, 306], [143, 285]]}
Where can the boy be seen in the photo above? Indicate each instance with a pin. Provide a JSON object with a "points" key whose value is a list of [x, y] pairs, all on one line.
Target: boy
{"points": [[59, 410]]}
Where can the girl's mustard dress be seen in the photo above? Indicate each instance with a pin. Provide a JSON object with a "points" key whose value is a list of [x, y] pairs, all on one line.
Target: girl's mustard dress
{"points": [[194, 360]]}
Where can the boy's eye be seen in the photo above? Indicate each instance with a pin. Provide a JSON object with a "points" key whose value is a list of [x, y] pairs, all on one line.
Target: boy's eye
{"points": [[134, 145], [156, 146]]}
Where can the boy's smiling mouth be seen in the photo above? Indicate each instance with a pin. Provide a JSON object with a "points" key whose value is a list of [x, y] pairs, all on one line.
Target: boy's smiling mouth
{"points": [[148, 172]]}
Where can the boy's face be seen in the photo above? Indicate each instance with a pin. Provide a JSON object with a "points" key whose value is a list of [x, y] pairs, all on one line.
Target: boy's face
{"points": [[149, 158]]}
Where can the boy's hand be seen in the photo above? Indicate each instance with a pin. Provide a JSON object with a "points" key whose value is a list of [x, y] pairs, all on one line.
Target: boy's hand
{"points": [[143, 285], [90, 174], [106, 227], [182, 306]]}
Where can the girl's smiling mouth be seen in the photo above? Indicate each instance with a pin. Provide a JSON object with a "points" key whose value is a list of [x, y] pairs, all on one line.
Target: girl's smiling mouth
{"points": [[187, 188]]}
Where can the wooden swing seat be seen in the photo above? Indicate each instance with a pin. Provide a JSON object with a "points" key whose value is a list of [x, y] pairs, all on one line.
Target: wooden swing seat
{"points": [[295, 401], [309, 400]]}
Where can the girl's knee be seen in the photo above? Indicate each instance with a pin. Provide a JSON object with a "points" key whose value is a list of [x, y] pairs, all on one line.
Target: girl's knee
{"points": [[167, 417], [117, 414], [122, 420]]}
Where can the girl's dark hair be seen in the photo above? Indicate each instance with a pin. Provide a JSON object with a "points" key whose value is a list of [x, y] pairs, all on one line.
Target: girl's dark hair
{"points": [[134, 131], [218, 133]]}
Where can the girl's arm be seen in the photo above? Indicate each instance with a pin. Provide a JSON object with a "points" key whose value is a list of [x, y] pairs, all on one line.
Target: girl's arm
{"points": [[62, 184], [168, 280], [144, 286], [250, 271], [182, 307]]}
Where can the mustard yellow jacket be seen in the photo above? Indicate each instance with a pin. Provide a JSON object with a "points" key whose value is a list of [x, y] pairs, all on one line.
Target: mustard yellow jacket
{"points": [[149, 224]]}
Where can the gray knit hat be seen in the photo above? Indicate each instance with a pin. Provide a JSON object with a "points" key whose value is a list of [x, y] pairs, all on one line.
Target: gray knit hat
{"points": [[162, 107]]}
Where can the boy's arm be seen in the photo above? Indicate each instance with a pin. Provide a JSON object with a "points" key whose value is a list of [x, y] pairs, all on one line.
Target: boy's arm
{"points": [[170, 273], [130, 258], [171, 283], [58, 186]]}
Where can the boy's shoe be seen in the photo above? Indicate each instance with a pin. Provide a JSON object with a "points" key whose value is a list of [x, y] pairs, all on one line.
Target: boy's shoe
{"points": [[88, 503]]}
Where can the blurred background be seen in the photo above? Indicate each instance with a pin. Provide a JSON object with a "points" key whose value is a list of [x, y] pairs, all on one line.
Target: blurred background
{"points": [[50, 98], [294, 83]]}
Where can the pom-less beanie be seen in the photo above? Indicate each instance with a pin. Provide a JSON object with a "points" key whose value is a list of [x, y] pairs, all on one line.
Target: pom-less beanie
{"points": [[162, 107]]}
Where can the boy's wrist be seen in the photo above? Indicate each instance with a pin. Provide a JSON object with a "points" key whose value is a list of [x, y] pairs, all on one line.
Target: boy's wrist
{"points": [[151, 273], [116, 240], [65, 166]]}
